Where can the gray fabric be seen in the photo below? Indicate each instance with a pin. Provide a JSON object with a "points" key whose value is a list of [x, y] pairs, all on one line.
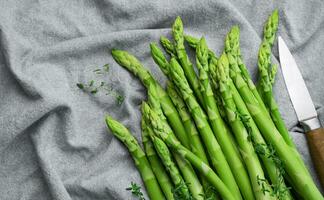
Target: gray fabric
{"points": [[54, 143]]}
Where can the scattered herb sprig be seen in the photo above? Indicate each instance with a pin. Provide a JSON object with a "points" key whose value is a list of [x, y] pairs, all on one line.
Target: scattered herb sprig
{"points": [[94, 88], [136, 191]]}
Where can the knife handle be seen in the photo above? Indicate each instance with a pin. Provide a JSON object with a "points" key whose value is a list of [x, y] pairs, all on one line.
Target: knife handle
{"points": [[315, 140]]}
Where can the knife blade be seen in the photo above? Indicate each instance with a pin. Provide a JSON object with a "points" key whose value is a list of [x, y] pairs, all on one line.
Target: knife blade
{"points": [[303, 106]]}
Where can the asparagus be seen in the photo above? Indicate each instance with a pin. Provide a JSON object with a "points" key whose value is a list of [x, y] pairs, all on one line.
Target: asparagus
{"points": [[165, 155], [131, 63], [141, 162], [196, 145], [193, 42], [232, 45], [271, 27], [273, 171], [218, 125], [250, 158], [185, 167], [168, 46], [268, 72], [160, 59], [288, 155], [216, 155], [166, 134], [177, 31], [156, 164]]}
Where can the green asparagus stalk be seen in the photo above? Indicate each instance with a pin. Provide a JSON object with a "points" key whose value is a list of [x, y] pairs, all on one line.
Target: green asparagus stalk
{"points": [[271, 27], [193, 42], [216, 155], [287, 154], [212, 60], [168, 46], [275, 172], [131, 63], [185, 167], [160, 59], [165, 155], [166, 134], [267, 75], [250, 158], [177, 31], [156, 164], [272, 169], [141, 162], [196, 145], [218, 125], [232, 45]]}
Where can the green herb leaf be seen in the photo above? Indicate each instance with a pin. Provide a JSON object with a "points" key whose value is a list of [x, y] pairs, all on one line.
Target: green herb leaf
{"points": [[136, 191], [94, 91], [120, 99], [91, 83], [80, 85], [106, 67]]}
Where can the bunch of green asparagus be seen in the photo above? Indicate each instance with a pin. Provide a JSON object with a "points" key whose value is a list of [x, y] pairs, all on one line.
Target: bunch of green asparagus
{"points": [[213, 134]]}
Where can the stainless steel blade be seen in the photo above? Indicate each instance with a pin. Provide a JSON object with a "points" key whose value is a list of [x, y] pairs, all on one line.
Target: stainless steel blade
{"points": [[295, 84]]}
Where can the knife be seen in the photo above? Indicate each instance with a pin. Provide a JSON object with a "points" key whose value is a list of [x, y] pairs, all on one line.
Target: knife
{"points": [[304, 107]]}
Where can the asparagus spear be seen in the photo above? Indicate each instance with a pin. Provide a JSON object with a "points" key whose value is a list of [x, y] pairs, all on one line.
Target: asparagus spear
{"points": [[273, 170], [267, 73], [288, 155], [270, 28], [141, 162], [156, 164], [232, 45], [250, 158], [196, 145], [166, 134], [177, 31], [131, 63], [218, 125], [168, 46], [185, 167], [212, 60], [216, 155], [165, 155], [193, 42]]}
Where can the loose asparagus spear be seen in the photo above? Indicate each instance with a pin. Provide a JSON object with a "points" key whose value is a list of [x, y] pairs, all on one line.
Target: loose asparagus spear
{"points": [[131, 63], [168, 46], [177, 31], [156, 164], [166, 134], [216, 155], [141, 162], [185, 167], [288, 155], [218, 125]]}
